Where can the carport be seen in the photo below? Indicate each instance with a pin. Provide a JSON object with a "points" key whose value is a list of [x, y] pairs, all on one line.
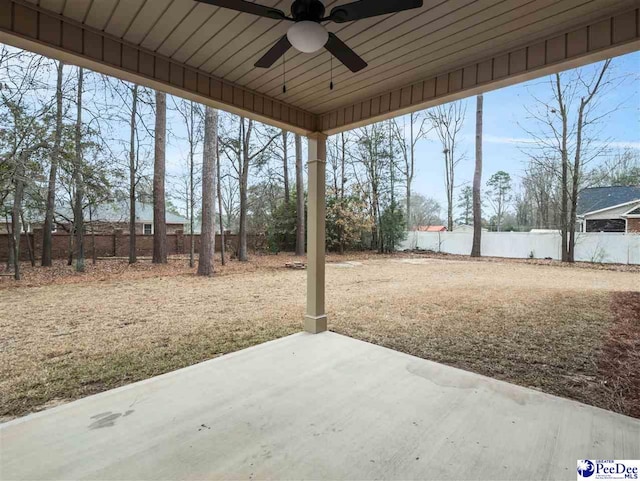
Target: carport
{"points": [[446, 50]]}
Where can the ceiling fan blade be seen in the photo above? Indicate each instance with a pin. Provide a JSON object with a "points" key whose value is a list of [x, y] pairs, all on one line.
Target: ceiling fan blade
{"points": [[274, 53], [370, 8], [342, 52], [248, 7]]}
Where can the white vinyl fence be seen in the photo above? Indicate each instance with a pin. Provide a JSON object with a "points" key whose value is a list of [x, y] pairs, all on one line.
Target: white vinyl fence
{"points": [[609, 248]]}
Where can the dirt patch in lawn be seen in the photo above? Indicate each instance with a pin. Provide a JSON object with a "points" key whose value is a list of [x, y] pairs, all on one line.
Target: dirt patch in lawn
{"points": [[619, 364], [539, 326]]}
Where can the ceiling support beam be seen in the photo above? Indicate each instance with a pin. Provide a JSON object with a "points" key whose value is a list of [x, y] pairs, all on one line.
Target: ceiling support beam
{"points": [[609, 37], [25, 25]]}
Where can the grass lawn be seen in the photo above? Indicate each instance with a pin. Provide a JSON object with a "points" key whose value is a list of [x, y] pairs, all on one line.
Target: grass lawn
{"points": [[570, 331]]}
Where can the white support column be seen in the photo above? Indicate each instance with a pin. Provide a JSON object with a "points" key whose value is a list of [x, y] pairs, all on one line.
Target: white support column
{"points": [[316, 319]]}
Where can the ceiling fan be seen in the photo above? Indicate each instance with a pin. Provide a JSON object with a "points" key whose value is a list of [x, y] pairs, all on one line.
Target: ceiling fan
{"points": [[307, 34]]}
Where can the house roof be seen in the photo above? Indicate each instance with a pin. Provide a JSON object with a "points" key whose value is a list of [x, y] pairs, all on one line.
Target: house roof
{"points": [[599, 198], [118, 211], [635, 211], [431, 228]]}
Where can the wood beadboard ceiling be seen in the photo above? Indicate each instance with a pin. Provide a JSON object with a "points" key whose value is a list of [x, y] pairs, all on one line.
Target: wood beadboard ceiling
{"points": [[400, 48]]}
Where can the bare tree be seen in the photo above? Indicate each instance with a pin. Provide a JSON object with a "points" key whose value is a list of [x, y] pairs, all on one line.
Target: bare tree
{"points": [[541, 185], [230, 196], [249, 147], [78, 214], [219, 188], [591, 86], [53, 172], [285, 165], [447, 121], [16, 227], [159, 213], [372, 155], [623, 168], [245, 134], [208, 230], [426, 212], [336, 162], [299, 198], [191, 114], [133, 258], [477, 182], [407, 143], [566, 137]]}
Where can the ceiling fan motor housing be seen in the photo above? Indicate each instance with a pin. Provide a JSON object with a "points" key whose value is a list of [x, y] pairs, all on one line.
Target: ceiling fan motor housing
{"points": [[310, 10]]}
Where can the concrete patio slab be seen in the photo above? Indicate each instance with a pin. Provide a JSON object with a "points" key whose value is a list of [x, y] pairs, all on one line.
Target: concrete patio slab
{"points": [[315, 407]]}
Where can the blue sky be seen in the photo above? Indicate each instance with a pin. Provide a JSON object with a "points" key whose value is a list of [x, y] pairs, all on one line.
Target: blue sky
{"points": [[505, 121]]}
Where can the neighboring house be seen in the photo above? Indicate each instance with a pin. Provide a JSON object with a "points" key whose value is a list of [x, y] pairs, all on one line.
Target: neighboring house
{"points": [[430, 228], [609, 209], [109, 217], [113, 216]]}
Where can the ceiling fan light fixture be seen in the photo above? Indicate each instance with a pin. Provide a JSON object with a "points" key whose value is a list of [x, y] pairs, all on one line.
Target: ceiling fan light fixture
{"points": [[307, 36]]}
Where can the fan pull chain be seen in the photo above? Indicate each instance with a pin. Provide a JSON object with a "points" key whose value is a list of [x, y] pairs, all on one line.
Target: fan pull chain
{"points": [[284, 73], [331, 63]]}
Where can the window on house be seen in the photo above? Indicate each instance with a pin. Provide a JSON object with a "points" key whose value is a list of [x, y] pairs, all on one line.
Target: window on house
{"points": [[147, 229], [606, 225]]}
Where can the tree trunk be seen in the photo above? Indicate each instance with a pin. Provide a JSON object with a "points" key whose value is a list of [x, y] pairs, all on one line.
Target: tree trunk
{"points": [[32, 257], [408, 204], [159, 214], [564, 227], [244, 184], [379, 241], [575, 184], [577, 164], [9, 241], [392, 179], [299, 198], [219, 182], [78, 214], [16, 228], [477, 181], [285, 167], [47, 240], [410, 170], [342, 183], [448, 160], [209, 161], [94, 257], [70, 245], [132, 178], [192, 198]]}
